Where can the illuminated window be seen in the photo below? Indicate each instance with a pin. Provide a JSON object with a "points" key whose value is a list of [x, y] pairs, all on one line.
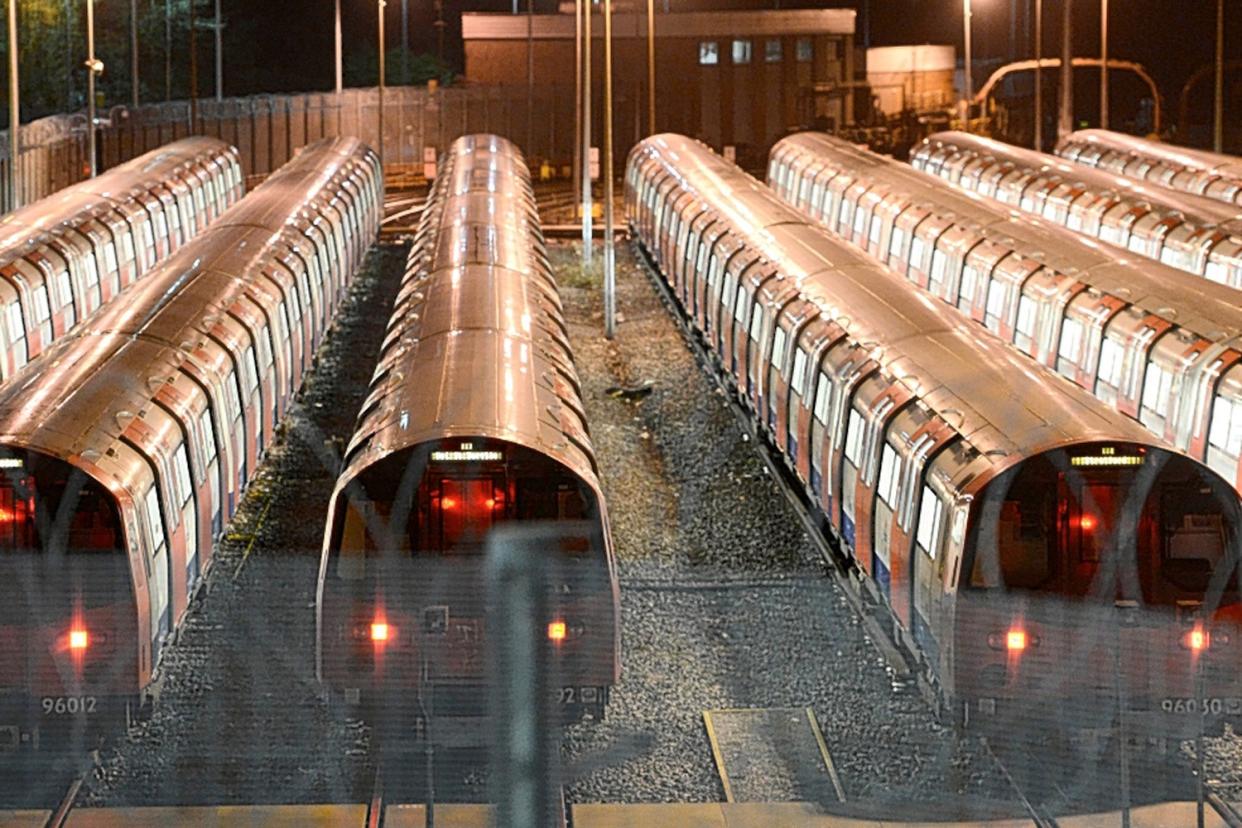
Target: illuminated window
{"points": [[1112, 356], [1071, 340], [805, 51], [854, 437], [890, 475], [741, 51], [772, 52], [1026, 316], [931, 512], [1226, 430], [1157, 388], [709, 53]]}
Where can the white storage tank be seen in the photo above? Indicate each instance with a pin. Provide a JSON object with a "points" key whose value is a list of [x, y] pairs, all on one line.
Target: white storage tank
{"points": [[911, 77]]}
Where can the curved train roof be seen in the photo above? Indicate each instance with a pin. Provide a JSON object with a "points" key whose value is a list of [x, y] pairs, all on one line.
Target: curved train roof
{"points": [[477, 344], [74, 398], [1195, 159], [1191, 302], [1008, 405], [1197, 210], [29, 224]]}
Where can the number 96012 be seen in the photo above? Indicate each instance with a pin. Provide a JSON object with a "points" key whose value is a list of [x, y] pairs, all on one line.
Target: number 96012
{"points": [[67, 705]]}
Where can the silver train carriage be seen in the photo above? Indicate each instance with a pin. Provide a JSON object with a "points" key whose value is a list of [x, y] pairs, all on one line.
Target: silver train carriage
{"points": [[1192, 233], [1155, 343], [1194, 171], [474, 419], [1027, 538], [63, 257], [124, 450]]}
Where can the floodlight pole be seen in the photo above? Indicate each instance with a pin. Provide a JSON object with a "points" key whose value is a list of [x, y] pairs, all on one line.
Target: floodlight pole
{"points": [[587, 206], [1039, 75], [14, 110], [610, 264], [90, 85], [1218, 101], [1103, 64]]}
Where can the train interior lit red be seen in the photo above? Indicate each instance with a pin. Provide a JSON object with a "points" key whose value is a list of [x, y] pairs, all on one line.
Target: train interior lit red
{"points": [[63, 636], [1106, 561], [405, 589]]}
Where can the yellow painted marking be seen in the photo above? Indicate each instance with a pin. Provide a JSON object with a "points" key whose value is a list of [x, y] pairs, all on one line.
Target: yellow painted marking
{"points": [[720, 765], [823, 751]]}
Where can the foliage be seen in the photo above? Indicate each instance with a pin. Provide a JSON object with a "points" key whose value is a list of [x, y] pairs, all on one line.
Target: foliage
{"points": [[362, 69]]}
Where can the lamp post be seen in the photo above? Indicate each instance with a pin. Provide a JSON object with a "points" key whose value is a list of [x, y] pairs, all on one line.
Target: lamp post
{"points": [[1039, 75], [966, 64], [405, 42], [133, 52], [610, 265], [336, 43], [14, 108], [587, 206], [1065, 119], [93, 67], [1218, 98], [577, 165], [1103, 64], [380, 118], [219, 27], [651, 96], [167, 50]]}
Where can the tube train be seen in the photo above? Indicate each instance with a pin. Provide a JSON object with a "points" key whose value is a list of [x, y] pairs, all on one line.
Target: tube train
{"points": [[1190, 233], [123, 451], [474, 419], [63, 257], [1044, 554], [1187, 170], [1155, 343]]}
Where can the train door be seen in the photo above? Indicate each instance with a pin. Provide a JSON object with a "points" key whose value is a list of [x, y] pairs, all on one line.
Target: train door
{"points": [[211, 456], [160, 584], [851, 466], [887, 494], [925, 563], [184, 493]]}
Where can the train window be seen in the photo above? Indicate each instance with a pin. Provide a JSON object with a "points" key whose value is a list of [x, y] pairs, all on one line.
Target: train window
{"points": [[1157, 388], [155, 527], [265, 347], [966, 290], [756, 323], [772, 50], [860, 221], [918, 249], [181, 464], [778, 348], [896, 243], [996, 304], [890, 476], [209, 434], [873, 237], [931, 516], [939, 265], [1112, 356], [805, 50], [17, 334], [709, 53], [847, 213], [1071, 340], [854, 432], [823, 398], [110, 260], [174, 223], [251, 371], [65, 288], [1217, 271], [799, 371], [1226, 430], [43, 310], [1026, 316], [148, 241], [230, 389]]}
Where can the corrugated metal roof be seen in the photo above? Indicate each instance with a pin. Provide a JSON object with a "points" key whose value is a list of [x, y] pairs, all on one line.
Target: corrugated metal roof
{"points": [[492, 26]]}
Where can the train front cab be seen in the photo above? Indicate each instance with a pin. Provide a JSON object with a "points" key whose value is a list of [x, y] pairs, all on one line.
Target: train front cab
{"points": [[68, 618], [1096, 579], [403, 601]]}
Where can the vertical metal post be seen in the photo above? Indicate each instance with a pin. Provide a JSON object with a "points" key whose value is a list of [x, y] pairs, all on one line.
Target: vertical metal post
{"points": [[587, 206], [380, 117], [1103, 64], [966, 63], [1065, 119], [14, 111], [90, 84], [1039, 75], [135, 89], [530, 77], [167, 50], [219, 25], [577, 131], [193, 66], [405, 41], [651, 94], [1218, 99], [610, 265], [70, 49], [336, 43]]}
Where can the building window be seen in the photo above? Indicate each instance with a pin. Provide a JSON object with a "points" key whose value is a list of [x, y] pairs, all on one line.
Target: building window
{"points": [[805, 51], [709, 53], [741, 51], [772, 50]]}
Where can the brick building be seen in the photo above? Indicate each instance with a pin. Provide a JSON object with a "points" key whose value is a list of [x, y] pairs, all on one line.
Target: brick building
{"points": [[739, 77]]}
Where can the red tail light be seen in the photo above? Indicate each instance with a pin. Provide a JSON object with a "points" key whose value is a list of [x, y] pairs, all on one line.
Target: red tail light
{"points": [[1014, 640], [1198, 639]]}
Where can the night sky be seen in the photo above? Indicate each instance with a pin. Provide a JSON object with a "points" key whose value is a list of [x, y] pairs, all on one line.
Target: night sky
{"points": [[286, 45]]}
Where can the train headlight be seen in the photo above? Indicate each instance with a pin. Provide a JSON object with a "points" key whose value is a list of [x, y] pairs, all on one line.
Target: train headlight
{"points": [[1014, 640], [557, 631], [380, 632], [79, 640], [1198, 639]]}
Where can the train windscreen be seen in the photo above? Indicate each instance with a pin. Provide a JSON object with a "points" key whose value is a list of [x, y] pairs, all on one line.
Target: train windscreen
{"points": [[1142, 524]]}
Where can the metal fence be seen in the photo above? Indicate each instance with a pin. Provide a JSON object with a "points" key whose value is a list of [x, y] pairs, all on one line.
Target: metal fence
{"points": [[268, 129]]}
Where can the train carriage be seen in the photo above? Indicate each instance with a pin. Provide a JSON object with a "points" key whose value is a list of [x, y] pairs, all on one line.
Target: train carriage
{"points": [[1155, 343], [124, 450], [65, 256], [1188, 232], [474, 419], [1043, 550], [1187, 170]]}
